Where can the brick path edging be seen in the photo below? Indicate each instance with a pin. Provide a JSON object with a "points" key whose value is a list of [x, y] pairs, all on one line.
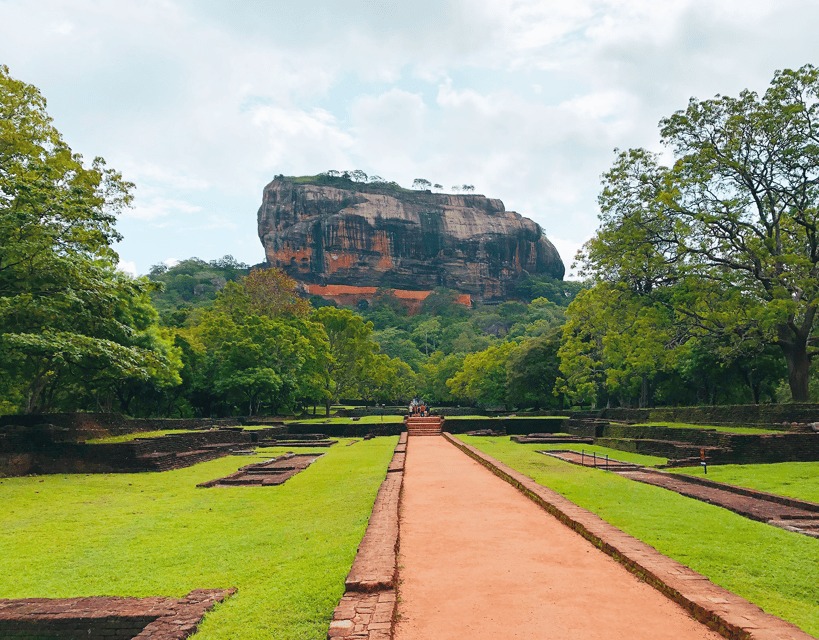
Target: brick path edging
{"points": [[101, 617], [721, 610], [367, 608]]}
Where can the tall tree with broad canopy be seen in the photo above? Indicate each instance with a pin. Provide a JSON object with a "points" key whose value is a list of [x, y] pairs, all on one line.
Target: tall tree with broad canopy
{"points": [[732, 225], [64, 311]]}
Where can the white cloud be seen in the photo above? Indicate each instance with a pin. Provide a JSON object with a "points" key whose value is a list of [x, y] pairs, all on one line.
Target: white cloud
{"points": [[567, 250], [201, 102], [154, 208], [128, 267]]}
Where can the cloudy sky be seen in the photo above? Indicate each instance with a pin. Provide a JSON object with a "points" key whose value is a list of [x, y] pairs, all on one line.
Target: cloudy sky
{"points": [[201, 102]]}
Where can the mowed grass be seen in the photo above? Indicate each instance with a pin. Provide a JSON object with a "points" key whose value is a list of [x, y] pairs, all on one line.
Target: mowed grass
{"points": [[772, 568], [133, 436], [600, 452], [793, 479], [286, 548], [361, 420], [721, 429], [523, 417]]}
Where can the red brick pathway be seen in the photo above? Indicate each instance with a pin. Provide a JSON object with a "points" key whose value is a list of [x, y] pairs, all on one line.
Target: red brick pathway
{"points": [[720, 609], [367, 609]]}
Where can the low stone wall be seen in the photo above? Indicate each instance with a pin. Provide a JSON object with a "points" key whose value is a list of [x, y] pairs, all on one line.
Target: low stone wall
{"points": [[163, 453], [107, 618], [354, 429], [367, 608], [76, 427], [771, 416], [511, 426], [723, 448]]}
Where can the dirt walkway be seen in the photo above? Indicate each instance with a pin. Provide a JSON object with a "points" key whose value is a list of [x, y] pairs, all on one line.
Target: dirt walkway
{"points": [[479, 560]]}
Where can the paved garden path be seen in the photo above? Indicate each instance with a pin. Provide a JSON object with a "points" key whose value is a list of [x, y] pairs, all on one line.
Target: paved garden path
{"points": [[479, 560]]}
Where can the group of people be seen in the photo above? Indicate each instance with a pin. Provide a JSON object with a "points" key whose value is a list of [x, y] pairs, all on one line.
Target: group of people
{"points": [[418, 408]]}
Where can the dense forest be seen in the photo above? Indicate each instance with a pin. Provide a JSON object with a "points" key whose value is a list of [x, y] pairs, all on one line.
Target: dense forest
{"points": [[700, 286]]}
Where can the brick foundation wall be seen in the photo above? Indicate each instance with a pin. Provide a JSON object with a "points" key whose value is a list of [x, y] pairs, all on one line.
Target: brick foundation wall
{"points": [[107, 618], [351, 430], [34, 430], [770, 416], [163, 453], [729, 447], [511, 426]]}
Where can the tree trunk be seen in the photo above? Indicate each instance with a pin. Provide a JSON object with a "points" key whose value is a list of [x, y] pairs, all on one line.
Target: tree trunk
{"points": [[794, 344], [798, 363], [644, 393]]}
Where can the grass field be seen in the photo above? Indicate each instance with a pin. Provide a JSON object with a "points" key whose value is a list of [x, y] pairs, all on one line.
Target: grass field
{"points": [[362, 420], [287, 548], [505, 418], [683, 425], [133, 436], [773, 568], [793, 479], [602, 452]]}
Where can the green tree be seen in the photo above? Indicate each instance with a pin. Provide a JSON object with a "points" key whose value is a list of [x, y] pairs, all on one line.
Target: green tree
{"points": [[735, 218], [352, 351], [614, 343], [63, 309], [266, 292], [482, 378], [427, 335], [532, 371], [393, 382], [397, 344], [261, 361], [439, 368]]}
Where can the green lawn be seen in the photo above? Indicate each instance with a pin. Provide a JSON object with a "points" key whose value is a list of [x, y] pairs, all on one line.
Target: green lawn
{"points": [[773, 568], [683, 425], [601, 452], [287, 548], [362, 420], [792, 479], [506, 418], [133, 436]]}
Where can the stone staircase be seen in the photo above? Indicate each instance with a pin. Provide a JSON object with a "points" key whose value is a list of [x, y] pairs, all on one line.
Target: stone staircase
{"points": [[429, 426]]}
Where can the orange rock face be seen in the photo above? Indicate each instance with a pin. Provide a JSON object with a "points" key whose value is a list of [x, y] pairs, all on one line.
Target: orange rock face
{"points": [[355, 235], [350, 296]]}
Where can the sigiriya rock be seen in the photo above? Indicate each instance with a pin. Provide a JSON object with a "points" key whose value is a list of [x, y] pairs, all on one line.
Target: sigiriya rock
{"points": [[325, 231]]}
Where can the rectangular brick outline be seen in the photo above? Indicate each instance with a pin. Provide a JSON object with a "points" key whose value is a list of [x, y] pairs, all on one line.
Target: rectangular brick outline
{"points": [[796, 503], [719, 609], [367, 608], [172, 619], [217, 482]]}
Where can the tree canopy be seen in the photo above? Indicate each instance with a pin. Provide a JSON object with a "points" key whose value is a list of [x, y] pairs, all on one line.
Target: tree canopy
{"points": [[726, 236], [65, 313]]}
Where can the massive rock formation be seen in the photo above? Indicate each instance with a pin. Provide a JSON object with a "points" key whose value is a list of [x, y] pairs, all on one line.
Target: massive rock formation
{"points": [[348, 233]]}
